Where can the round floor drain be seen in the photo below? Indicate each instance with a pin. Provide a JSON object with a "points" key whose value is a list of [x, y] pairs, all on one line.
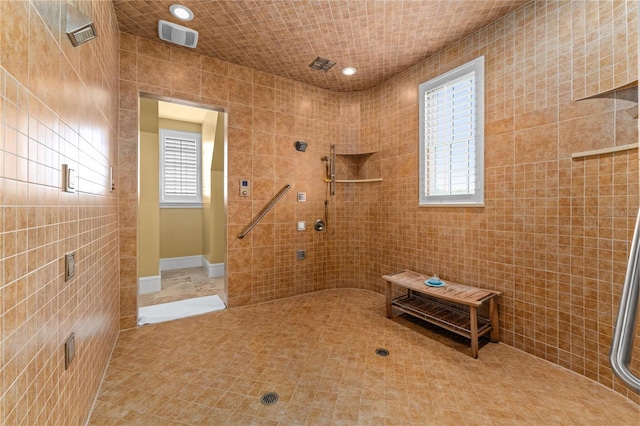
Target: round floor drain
{"points": [[269, 398], [382, 352]]}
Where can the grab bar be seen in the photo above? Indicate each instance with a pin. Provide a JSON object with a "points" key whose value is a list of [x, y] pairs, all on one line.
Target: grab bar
{"points": [[264, 211], [622, 341]]}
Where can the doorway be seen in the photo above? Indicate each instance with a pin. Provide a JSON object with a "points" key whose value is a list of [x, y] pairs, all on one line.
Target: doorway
{"points": [[181, 210]]}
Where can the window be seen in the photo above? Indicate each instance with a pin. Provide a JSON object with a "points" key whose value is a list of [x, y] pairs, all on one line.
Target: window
{"points": [[451, 137], [180, 169]]}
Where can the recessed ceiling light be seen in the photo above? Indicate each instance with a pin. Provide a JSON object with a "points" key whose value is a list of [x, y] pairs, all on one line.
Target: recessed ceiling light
{"points": [[181, 12], [349, 70]]}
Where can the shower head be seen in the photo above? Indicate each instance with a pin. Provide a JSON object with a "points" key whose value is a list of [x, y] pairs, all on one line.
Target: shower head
{"points": [[79, 27], [301, 146]]}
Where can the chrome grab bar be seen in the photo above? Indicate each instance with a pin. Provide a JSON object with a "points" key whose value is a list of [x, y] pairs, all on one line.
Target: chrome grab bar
{"points": [[622, 341], [264, 211]]}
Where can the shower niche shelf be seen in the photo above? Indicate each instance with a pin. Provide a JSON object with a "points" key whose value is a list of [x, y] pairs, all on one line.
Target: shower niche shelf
{"points": [[358, 168]]}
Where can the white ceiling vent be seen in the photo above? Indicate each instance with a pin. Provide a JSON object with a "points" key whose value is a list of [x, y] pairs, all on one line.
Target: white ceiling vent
{"points": [[177, 34]]}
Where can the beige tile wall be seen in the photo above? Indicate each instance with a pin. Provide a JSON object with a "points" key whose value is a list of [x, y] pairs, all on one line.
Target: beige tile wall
{"points": [[57, 106], [554, 233], [266, 115]]}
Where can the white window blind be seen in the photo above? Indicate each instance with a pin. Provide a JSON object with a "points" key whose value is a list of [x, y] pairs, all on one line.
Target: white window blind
{"points": [[180, 169], [451, 137]]}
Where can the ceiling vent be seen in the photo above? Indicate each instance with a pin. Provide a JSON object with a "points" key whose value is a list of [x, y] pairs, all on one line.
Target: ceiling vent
{"points": [[321, 64], [177, 34]]}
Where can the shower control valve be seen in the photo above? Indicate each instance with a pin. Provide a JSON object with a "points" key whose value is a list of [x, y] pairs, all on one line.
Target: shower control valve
{"points": [[319, 225]]}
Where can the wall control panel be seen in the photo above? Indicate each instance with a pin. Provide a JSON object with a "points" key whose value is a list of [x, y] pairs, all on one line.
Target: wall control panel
{"points": [[112, 184], [69, 350], [245, 188], [69, 266], [70, 178]]}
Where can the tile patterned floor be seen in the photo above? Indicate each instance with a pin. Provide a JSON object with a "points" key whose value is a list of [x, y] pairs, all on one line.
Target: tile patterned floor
{"points": [[317, 352], [180, 284]]}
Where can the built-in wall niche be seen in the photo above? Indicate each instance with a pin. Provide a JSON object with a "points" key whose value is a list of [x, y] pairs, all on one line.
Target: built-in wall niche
{"points": [[358, 168]]}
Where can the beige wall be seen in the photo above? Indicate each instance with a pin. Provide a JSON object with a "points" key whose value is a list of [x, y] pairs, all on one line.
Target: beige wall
{"points": [[554, 234], [148, 199], [218, 234], [162, 233], [208, 145], [180, 229], [58, 105], [210, 185], [180, 232], [183, 126]]}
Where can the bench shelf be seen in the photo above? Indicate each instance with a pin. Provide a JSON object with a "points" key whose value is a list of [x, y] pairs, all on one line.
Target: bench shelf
{"points": [[436, 305], [440, 314]]}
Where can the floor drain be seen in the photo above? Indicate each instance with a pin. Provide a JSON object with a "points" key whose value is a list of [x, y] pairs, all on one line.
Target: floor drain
{"points": [[382, 352], [269, 398]]}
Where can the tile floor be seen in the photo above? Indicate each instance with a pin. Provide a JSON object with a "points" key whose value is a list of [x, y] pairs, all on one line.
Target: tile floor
{"points": [[317, 352], [180, 284]]}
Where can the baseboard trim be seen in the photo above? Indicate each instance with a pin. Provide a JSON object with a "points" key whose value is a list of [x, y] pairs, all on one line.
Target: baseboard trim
{"points": [[215, 269], [149, 284], [170, 263]]}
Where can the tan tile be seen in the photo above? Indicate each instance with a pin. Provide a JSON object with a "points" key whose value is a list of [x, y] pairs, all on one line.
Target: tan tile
{"points": [[585, 134], [185, 79]]}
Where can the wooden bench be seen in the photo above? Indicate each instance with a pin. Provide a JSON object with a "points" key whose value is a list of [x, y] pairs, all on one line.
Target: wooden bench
{"points": [[429, 303]]}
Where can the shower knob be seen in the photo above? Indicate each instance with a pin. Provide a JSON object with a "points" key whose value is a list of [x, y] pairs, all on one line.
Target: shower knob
{"points": [[319, 225]]}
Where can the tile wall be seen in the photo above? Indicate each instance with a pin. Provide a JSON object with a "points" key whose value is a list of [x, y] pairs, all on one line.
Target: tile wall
{"points": [[266, 116], [554, 233], [57, 106]]}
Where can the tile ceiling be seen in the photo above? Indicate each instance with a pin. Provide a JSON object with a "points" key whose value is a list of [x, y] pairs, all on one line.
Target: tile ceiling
{"points": [[381, 38]]}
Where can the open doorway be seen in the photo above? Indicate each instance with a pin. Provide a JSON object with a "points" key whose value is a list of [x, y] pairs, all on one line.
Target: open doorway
{"points": [[182, 215]]}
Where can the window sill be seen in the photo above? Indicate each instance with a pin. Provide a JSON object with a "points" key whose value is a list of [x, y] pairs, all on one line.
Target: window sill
{"points": [[180, 205], [452, 205]]}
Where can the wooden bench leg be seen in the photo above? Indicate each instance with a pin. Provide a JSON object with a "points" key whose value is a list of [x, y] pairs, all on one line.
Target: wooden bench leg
{"points": [[388, 294], [473, 316], [495, 320]]}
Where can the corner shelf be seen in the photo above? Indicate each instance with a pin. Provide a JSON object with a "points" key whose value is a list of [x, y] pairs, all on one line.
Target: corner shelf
{"points": [[609, 93], [361, 167], [605, 150]]}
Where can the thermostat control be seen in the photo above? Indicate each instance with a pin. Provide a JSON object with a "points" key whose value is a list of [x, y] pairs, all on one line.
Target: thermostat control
{"points": [[244, 188]]}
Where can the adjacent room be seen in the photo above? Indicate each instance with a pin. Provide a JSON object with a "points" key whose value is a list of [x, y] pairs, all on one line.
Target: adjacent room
{"points": [[322, 212]]}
